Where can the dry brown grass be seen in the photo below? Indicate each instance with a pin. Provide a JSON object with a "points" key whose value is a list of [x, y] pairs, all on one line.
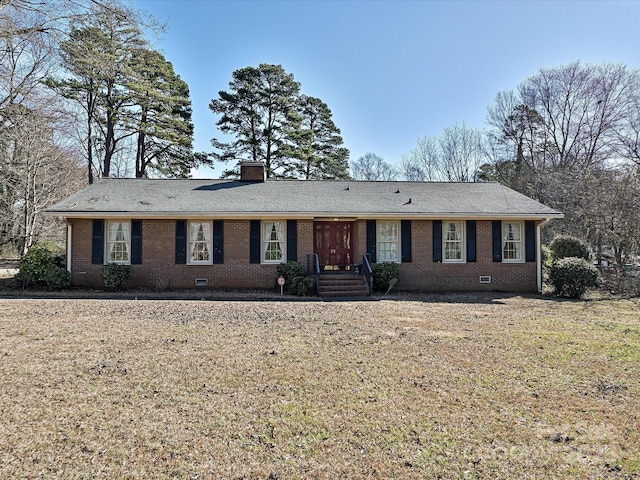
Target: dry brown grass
{"points": [[482, 386]]}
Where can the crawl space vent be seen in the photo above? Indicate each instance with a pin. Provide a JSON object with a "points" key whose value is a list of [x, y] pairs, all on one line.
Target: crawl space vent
{"points": [[201, 282], [485, 279]]}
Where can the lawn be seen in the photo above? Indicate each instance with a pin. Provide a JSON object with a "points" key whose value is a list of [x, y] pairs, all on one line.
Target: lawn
{"points": [[440, 386]]}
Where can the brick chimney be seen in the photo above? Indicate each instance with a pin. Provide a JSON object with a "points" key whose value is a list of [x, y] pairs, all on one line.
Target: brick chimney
{"points": [[252, 171]]}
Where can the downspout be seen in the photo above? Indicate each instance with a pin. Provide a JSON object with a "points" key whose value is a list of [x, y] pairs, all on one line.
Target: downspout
{"points": [[69, 243], [539, 253]]}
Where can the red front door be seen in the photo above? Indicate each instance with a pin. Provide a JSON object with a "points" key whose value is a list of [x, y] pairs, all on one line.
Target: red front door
{"points": [[332, 241]]}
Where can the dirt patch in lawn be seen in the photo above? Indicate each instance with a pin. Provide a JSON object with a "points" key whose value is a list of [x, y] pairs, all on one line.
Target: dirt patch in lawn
{"points": [[440, 386]]}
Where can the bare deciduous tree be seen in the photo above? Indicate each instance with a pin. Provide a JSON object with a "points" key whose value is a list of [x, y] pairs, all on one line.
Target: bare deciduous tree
{"points": [[567, 117], [462, 153], [454, 157], [373, 168], [421, 165], [35, 173]]}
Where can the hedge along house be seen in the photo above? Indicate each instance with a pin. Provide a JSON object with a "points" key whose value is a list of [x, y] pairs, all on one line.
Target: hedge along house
{"points": [[233, 233]]}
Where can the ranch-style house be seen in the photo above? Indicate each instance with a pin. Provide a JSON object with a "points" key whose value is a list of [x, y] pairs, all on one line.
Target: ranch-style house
{"points": [[233, 233]]}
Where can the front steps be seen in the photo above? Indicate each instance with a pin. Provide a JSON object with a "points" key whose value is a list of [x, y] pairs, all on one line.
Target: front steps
{"points": [[345, 284]]}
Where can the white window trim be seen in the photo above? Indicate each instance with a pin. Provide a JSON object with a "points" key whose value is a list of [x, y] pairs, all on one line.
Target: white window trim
{"points": [[522, 245], [463, 243], [107, 260], [264, 241], [398, 242], [190, 260]]}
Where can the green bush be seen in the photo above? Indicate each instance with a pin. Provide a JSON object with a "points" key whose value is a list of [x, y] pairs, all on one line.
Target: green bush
{"points": [[547, 260], [116, 276], [383, 273], [58, 278], [565, 246], [289, 271], [35, 266], [39, 268], [572, 277], [302, 286], [295, 281]]}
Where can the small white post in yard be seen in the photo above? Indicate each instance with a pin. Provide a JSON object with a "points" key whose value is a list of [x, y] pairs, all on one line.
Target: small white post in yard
{"points": [[281, 283]]}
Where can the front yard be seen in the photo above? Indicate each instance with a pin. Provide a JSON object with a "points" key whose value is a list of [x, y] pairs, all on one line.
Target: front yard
{"points": [[448, 386]]}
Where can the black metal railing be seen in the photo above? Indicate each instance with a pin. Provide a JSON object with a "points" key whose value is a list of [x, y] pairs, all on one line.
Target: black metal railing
{"points": [[313, 266], [367, 271]]}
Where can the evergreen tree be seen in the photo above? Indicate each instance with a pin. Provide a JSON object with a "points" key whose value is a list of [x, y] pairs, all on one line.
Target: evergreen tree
{"points": [[316, 143], [259, 111], [162, 117], [271, 122], [98, 55], [135, 105]]}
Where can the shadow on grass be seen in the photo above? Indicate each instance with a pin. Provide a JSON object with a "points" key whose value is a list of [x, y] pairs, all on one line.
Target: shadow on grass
{"points": [[11, 291]]}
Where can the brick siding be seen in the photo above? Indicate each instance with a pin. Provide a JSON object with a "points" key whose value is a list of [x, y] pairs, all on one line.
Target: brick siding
{"points": [[159, 270]]}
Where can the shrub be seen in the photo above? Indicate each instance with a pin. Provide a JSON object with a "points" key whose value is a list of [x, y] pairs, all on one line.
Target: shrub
{"points": [[58, 278], [383, 273], [295, 281], [35, 266], [289, 271], [572, 277], [547, 260], [565, 246], [116, 276], [302, 286]]}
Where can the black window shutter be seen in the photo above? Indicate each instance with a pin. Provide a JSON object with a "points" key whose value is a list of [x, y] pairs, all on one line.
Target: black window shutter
{"points": [[436, 225], [136, 242], [218, 241], [530, 240], [97, 242], [497, 240], [292, 240], [471, 240], [405, 247], [181, 241], [254, 241], [371, 240]]}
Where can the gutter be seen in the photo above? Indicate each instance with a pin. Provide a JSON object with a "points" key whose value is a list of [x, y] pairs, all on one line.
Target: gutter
{"points": [[69, 245], [298, 215], [539, 256]]}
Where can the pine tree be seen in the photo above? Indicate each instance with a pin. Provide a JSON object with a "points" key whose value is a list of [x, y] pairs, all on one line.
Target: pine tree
{"points": [[162, 117], [316, 149], [98, 56], [294, 135], [258, 110]]}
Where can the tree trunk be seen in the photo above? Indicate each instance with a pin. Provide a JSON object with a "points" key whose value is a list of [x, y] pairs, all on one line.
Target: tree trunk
{"points": [[141, 166]]}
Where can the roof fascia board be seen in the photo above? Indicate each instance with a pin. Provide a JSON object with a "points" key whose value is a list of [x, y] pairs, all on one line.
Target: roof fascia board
{"points": [[344, 216]]}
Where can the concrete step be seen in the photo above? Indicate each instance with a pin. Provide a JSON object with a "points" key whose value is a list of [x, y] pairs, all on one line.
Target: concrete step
{"points": [[342, 285]]}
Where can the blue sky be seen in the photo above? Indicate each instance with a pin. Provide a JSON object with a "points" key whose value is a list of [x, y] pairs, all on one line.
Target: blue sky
{"points": [[391, 71]]}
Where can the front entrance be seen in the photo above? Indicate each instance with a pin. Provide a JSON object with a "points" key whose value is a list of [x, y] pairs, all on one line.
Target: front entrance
{"points": [[332, 243]]}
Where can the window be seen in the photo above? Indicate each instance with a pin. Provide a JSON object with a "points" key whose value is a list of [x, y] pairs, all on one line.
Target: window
{"points": [[388, 241], [118, 243], [273, 242], [453, 241], [200, 243], [512, 242]]}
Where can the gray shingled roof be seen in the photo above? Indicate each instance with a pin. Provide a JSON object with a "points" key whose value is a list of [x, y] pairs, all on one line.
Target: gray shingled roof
{"points": [[298, 199]]}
